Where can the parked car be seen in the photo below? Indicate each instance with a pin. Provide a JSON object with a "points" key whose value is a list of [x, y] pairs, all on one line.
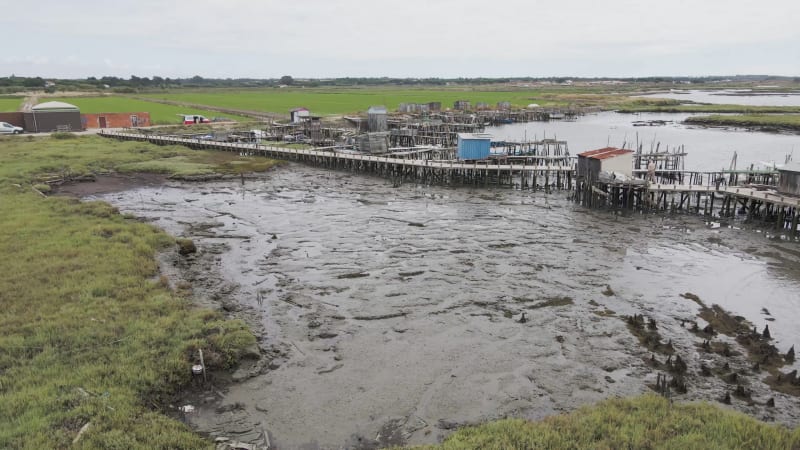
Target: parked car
{"points": [[190, 119], [7, 128]]}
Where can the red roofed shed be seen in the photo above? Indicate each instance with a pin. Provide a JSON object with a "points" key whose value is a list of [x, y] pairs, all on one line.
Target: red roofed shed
{"points": [[609, 159]]}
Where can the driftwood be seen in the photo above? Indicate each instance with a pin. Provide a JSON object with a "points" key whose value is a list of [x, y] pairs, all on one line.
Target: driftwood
{"points": [[381, 317], [80, 432]]}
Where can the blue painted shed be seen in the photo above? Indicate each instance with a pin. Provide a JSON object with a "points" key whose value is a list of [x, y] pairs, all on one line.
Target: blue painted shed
{"points": [[473, 146]]}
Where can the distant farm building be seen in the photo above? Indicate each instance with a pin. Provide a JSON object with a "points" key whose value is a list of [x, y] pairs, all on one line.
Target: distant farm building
{"points": [[413, 108], [609, 159], [789, 179], [377, 120], [503, 105], [297, 115], [115, 120], [419, 107], [54, 116], [473, 146]]}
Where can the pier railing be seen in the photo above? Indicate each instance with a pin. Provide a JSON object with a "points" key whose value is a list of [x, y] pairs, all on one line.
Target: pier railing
{"points": [[712, 178]]}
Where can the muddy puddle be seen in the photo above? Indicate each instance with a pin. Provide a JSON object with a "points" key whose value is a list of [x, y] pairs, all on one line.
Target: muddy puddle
{"points": [[395, 315]]}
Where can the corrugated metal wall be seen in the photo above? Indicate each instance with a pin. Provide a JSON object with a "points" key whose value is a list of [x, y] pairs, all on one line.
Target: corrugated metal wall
{"points": [[473, 148], [51, 121]]}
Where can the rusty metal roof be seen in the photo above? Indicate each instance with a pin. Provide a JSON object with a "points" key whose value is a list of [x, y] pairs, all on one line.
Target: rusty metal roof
{"points": [[605, 153]]}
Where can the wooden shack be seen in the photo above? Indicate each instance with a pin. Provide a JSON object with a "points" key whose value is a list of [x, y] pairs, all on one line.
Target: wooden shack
{"points": [[297, 115], [473, 146], [377, 120], [462, 105], [789, 179], [374, 143], [609, 159]]}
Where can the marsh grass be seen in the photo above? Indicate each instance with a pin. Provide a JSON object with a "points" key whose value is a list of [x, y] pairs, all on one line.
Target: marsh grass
{"points": [[23, 160], [646, 422], [90, 333], [789, 122]]}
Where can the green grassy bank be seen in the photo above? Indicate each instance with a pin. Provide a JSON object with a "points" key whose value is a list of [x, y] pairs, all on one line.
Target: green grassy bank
{"points": [[776, 122], [646, 422], [90, 333]]}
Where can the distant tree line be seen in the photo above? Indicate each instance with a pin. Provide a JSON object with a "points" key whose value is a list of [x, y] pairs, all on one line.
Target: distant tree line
{"points": [[135, 83]]}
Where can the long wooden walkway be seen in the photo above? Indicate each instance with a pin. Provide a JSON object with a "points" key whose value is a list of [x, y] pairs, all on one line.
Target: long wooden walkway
{"points": [[523, 176]]}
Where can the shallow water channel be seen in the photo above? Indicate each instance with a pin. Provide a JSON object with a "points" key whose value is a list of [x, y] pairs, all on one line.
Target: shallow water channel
{"points": [[732, 97], [708, 149], [393, 314]]}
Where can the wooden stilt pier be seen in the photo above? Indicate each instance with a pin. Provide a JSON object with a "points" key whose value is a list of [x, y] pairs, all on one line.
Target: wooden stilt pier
{"points": [[514, 173], [706, 193], [755, 203]]}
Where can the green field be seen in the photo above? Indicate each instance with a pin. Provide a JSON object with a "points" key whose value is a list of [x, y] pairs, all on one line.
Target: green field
{"points": [[10, 104], [646, 422], [342, 101], [335, 101], [90, 332], [160, 114]]}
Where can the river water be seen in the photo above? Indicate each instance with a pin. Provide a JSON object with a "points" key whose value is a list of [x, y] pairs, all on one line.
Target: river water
{"points": [[708, 149], [731, 97], [394, 313]]}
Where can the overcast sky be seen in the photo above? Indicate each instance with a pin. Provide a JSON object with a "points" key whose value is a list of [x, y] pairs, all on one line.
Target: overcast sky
{"points": [[405, 38]]}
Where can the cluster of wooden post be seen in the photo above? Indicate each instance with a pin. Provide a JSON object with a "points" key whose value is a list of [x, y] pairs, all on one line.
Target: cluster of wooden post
{"points": [[727, 203]]}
